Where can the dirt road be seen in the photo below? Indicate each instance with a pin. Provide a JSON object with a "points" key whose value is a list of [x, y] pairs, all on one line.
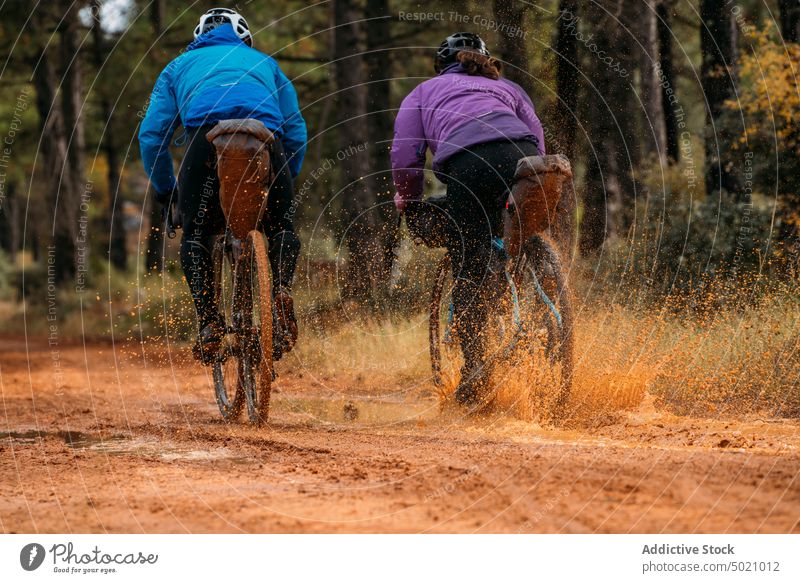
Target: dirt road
{"points": [[97, 439]]}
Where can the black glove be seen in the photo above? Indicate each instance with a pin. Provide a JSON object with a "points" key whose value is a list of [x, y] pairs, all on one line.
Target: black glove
{"points": [[166, 197], [427, 223]]}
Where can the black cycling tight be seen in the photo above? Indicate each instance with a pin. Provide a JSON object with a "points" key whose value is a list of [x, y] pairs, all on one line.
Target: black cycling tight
{"points": [[465, 220]]}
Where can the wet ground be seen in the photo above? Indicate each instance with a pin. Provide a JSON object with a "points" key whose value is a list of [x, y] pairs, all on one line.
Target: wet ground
{"points": [[98, 439]]}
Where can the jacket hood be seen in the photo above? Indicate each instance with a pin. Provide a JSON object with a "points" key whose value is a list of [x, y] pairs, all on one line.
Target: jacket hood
{"points": [[221, 35], [453, 68]]}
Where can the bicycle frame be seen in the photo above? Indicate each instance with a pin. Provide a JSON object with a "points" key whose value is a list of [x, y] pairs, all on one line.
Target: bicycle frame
{"points": [[515, 302]]}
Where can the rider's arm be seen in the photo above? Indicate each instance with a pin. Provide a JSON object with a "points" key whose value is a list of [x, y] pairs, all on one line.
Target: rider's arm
{"points": [[155, 134], [295, 134], [527, 113], [408, 151]]}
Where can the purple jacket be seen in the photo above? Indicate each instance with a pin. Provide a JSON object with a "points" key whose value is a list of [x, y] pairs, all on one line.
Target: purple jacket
{"points": [[453, 111]]}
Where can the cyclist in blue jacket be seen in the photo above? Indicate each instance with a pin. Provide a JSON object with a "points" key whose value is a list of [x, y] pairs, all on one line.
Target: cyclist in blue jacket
{"points": [[220, 76]]}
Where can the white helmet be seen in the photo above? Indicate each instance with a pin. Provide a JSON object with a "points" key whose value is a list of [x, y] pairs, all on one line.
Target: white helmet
{"points": [[216, 16]]}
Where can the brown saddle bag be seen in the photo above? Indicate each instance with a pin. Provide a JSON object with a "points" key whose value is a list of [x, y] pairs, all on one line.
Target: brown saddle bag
{"points": [[244, 170], [538, 187]]}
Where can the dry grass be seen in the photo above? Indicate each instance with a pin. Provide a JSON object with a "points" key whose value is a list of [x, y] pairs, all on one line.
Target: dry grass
{"points": [[727, 362], [382, 352], [734, 363], [132, 306], [613, 371]]}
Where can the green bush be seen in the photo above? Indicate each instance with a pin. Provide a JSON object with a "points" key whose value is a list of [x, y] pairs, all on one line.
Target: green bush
{"points": [[683, 243], [6, 291]]}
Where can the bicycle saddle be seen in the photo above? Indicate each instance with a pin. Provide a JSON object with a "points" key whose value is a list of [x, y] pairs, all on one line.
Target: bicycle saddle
{"points": [[247, 126], [535, 165]]}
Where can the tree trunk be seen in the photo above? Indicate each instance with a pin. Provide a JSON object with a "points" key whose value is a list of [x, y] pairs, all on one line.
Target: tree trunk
{"points": [[157, 16], [154, 255], [654, 138], [381, 129], [72, 92], [625, 105], [73, 171], [510, 18], [565, 119], [664, 11], [718, 76], [360, 232], [612, 148], [117, 251], [10, 221], [567, 82], [118, 240], [602, 198], [56, 171], [790, 20]]}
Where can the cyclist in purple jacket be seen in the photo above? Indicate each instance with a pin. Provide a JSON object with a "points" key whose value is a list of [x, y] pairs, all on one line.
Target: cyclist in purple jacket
{"points": [[477, 125]]}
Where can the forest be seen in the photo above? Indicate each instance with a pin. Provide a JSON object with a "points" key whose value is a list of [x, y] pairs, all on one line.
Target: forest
{"points": [[678, 118]]}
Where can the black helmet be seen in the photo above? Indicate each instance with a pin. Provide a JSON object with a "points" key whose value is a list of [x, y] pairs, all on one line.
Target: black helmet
{"points": [[455, 43]]}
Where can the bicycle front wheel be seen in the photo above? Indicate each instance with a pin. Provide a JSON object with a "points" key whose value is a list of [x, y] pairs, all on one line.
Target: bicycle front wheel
{"points": [[228, 367], [253, 286], [445, 351]]}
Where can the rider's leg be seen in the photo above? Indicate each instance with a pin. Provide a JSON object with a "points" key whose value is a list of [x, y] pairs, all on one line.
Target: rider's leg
{"points": [[475, 291], [478, 181], [284, 249], [201, 214], [284, 245]]}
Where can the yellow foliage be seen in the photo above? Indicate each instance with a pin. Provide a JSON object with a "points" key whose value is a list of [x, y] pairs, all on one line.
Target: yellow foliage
{"points": [[769, 94]]}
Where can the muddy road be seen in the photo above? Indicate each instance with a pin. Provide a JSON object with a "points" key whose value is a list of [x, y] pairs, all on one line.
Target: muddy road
{"points": [[103, 439]]}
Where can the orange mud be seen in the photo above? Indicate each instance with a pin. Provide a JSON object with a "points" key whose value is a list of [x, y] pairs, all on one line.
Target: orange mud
{"points": [[101, 440]]}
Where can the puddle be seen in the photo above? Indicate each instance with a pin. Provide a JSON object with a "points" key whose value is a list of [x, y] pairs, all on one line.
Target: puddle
{"points": [[359, 412], [153, 448], [146, 447], [28, 437], [32, 436]]}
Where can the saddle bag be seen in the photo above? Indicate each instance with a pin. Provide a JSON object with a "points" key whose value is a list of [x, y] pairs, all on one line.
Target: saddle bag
{"points": [[531, 207], [244, 170]]}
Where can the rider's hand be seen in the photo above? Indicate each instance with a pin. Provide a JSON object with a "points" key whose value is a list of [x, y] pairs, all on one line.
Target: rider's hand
{"points": [[164, 198], [400, 204], [405, 208], [168, 202]]}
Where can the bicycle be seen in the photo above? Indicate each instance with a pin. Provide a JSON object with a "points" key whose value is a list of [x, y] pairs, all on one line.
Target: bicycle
{"points": [[540, 310], [242, 367]]}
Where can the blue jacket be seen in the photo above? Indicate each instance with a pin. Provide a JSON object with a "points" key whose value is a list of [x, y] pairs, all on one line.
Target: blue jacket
{"points": [[218, 77]]}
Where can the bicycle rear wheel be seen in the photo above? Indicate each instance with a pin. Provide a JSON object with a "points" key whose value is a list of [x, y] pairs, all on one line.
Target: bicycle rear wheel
{"points": [[253, 279], [445, 351], [545, 306], [227, 369]]}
